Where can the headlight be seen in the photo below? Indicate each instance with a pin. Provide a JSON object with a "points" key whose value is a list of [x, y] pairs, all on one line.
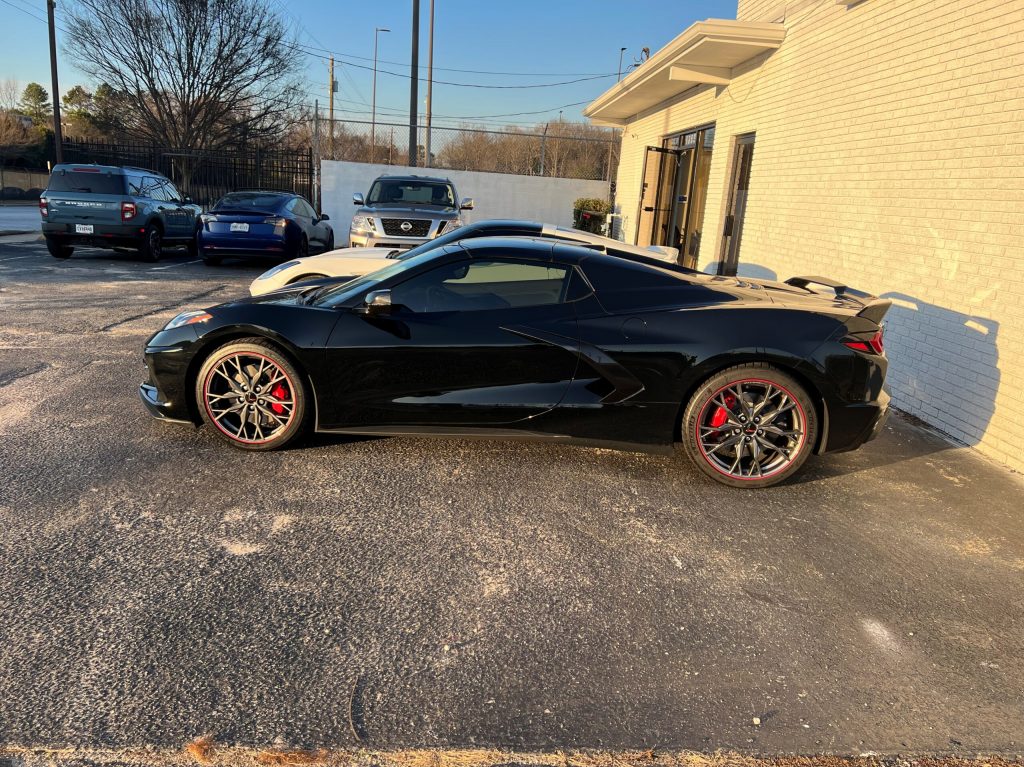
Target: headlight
{"points": [[188, 318], [363, 224], [450, 226], [279, 268]]}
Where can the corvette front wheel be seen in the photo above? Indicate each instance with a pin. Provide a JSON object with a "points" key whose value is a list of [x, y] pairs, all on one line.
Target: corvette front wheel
{"points": [[750, 426], [253, 396]]}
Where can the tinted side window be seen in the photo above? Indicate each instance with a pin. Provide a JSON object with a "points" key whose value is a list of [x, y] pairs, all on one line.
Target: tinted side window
{"points": [[151, 188], [172, 191], [302, 209], [481, 285], [135, 184]]}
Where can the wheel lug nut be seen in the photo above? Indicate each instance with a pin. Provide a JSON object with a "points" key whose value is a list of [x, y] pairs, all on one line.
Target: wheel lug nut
{"points": [[746, 439], [760, 432]]}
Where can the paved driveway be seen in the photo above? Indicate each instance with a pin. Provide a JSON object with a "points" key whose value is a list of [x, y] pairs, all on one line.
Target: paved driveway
{"points": [[19, 217], [155, 585]]}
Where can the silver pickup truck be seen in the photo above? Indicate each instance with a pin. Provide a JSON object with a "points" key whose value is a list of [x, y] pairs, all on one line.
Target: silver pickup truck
{"points": [[400, 212]]}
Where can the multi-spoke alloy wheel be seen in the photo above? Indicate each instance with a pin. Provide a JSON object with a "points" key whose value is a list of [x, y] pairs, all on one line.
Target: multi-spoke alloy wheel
{"points": [[252, 395], [752, 425]]}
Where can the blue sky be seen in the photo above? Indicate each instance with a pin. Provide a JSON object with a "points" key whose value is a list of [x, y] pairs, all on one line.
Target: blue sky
{"points": [[552, 40]]}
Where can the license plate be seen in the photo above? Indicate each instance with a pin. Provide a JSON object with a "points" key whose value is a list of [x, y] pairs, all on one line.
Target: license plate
{"points": [[239, 227], [83, 228]]}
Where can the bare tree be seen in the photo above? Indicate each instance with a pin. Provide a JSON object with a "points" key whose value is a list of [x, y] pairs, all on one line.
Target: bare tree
{"points": [[10, 94], [192, 74]]}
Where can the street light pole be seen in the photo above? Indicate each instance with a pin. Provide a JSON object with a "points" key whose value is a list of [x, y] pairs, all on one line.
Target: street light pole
{"points": [[621, 51], [373, 108], [58, 133]]}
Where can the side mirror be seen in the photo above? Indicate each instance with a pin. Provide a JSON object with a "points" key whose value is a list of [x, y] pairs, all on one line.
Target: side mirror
{"points": [[467, 203], [377, 301], [357, 199], [324, 217], [187, 200]]}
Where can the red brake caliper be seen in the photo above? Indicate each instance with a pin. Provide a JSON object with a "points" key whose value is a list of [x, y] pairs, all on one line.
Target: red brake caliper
{"points": [[720, 416], [278, 392]]}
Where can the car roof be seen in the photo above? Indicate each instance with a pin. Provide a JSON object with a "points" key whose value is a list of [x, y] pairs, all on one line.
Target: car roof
{"points": [[112, 169], [567, 251], [411, 177]]}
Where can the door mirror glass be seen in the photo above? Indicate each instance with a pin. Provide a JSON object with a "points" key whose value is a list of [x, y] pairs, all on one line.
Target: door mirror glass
{"points": [[357, 198], [467, 203], [377, 301], [325, 217]]}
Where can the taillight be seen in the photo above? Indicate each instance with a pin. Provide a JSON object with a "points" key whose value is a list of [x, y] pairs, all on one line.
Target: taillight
{"points": [[44, 211], [127, 211], [874, 345]]}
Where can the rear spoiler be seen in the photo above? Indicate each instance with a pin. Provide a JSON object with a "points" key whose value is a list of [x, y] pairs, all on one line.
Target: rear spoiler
{"points": [[874, 308]]}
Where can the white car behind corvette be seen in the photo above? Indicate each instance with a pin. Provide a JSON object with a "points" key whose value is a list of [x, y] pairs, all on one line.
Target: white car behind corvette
{"points": [[355, 262]]}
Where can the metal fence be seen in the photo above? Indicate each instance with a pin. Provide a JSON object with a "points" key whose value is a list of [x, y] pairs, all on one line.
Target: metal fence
{"points": [[565, 150], [205, 175]]}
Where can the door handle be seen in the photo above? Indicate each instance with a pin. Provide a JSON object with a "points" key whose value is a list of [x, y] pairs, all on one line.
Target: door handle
{"points": [[648, 210]]}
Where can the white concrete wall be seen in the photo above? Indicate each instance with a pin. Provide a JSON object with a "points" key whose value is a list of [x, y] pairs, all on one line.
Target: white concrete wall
{"points": [[497, 195]]}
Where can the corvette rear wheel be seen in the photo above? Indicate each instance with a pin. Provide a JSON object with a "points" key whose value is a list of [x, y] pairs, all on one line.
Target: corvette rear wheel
{"points": [[253, 396], [750, 426]]}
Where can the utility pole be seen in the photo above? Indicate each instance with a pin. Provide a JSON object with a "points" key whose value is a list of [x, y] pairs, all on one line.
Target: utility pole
{"points": [[373, 107], [430, 84], [58, 133], [332, 85], [414, 81], [316, 155]]}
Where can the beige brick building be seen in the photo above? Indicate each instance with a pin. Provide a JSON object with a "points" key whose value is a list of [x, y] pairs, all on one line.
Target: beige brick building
{"points": [[878, 142]]}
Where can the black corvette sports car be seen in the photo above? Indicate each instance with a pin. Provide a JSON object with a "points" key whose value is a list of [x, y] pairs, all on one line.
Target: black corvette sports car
{"points": [[521, 337]]}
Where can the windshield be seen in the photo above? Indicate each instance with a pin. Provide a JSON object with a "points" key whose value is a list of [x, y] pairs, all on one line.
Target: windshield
{"points": [[397, 191], [246, 200], [342, 293], [90, 180]]}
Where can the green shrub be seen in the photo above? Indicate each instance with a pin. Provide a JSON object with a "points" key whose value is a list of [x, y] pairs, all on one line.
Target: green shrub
{"points": [[593, 204]]}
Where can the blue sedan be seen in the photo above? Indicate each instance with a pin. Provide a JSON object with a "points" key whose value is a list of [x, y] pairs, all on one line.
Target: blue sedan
{"points": [[277, 225]]}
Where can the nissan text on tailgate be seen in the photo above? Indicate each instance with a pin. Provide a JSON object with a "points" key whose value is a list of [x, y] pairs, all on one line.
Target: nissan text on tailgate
{"points": [[102, 206]]}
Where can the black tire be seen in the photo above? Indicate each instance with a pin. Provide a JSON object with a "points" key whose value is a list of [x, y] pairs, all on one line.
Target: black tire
{"points": [[212, 389], [211, 260], [193, 248], [152, 243], [330, 243], [305, 277], [57, 250], [303, 249], [750, 425]]}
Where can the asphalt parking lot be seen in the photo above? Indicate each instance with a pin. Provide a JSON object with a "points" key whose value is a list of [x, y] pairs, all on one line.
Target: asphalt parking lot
{"points": [[156, 585]]}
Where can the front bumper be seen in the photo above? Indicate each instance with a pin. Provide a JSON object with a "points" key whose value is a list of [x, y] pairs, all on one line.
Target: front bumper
{"points": [[381, 240], [162, 411]]}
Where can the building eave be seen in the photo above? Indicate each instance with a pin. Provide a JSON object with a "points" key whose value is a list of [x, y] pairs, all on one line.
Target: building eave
{"points": [[706, 53]]}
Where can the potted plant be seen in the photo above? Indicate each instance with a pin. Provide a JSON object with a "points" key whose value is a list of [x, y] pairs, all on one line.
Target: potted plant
{"points": [[589, 214]]}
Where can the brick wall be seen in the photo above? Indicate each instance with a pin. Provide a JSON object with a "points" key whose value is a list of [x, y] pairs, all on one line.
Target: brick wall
{"points": [[890, 155]]}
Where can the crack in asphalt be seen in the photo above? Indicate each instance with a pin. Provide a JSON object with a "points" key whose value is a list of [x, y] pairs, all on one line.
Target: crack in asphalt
{"points": [[160, 309]]}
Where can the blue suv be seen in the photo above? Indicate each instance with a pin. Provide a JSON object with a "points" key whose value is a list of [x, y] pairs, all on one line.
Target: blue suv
{"points": [[102, 206]]}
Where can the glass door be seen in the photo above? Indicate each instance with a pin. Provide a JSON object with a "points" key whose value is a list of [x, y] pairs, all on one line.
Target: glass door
{"points": [[660, 170], [733, 232], [674, 192]]}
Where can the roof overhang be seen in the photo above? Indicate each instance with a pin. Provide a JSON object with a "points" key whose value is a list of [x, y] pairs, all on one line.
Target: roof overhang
{"points": [[706, 53]]}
